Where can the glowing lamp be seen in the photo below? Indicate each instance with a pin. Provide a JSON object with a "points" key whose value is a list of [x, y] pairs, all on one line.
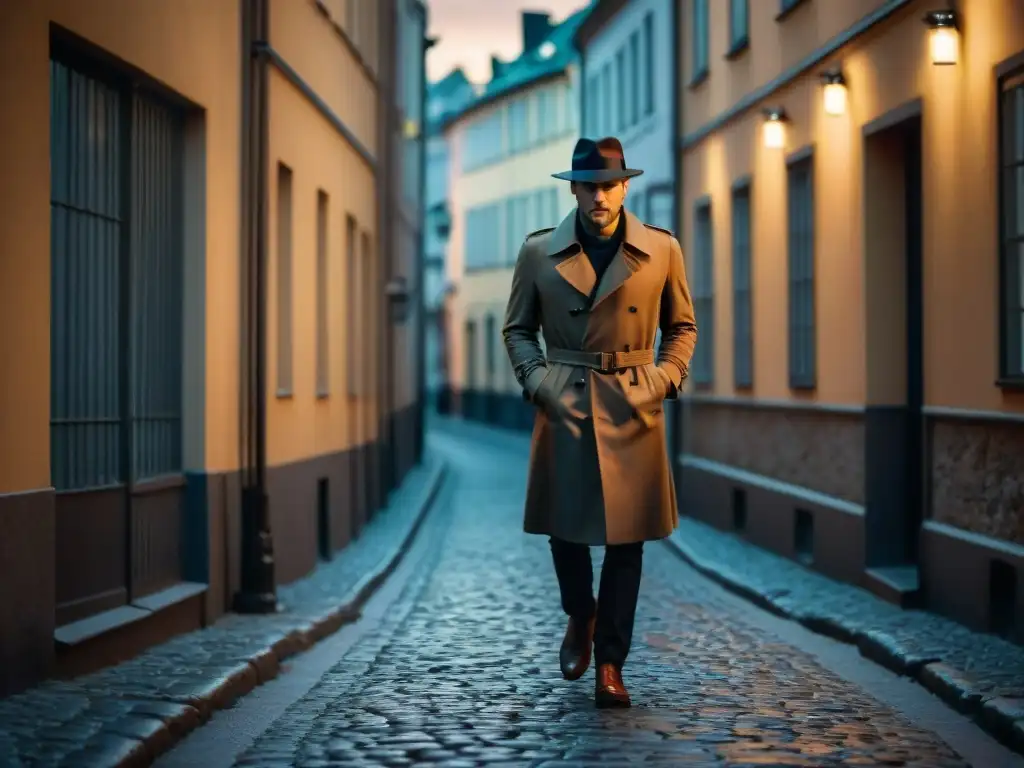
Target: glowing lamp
{"points": [[834, 92], [774, 128], [944, 41]]}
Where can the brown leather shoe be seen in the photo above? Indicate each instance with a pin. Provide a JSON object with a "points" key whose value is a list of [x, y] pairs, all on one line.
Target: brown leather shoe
{"points": [[610, 690], [574, 655]]}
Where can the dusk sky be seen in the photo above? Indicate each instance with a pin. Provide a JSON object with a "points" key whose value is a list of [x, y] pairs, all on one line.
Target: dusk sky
{"points": [[472, 30]]}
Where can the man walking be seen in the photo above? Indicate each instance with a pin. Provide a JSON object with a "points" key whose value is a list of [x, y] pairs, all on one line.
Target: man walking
{"points": [[598, 286]]}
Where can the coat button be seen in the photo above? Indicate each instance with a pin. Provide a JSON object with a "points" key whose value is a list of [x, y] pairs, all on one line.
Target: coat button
{"points": [[580, 383], [576, 311], [632, 309]]}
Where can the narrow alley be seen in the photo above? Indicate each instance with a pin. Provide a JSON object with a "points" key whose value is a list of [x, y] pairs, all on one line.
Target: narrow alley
{"points": [[456, 665]]}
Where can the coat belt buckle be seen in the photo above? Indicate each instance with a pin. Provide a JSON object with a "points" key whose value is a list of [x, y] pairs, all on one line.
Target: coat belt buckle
{"points": [[607, 362]]}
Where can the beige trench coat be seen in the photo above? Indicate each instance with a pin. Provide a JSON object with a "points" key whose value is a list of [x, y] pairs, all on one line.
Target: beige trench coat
{"points": [[605, 478]]}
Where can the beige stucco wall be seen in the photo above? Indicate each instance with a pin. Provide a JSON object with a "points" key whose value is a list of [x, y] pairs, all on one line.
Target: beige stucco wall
{"points": [[884, 69], [192, 47]]}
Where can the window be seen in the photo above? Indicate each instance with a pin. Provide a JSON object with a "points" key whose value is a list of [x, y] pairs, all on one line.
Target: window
{"points": [[620, 88], [800, 221], [543, 118], [634, 78], [517, 136], [1011, 108], [699, 40], [354, 311], [284, 281], [607, 108], [636, 205], [367, 264], [513, 237], [570, 108], [649, 58], [555, 206], [742, 304], [704, 296], [470, 355], [490, 350], [591, 106], [739, 24], [323, 359]]}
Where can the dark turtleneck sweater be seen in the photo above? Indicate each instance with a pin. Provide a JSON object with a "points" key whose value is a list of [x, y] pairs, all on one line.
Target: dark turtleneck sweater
{"points": [[600, 250]]}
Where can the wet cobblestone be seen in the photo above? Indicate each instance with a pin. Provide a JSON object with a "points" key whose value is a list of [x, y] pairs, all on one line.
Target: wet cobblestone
{"points": [[129, 713], [464, 670]]}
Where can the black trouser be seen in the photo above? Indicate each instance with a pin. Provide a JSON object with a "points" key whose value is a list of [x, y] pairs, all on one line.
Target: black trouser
{"points": [[616, 599]]}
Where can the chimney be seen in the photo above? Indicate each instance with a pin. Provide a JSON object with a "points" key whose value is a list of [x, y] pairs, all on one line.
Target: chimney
{"points": [[536, 26], [497, 67]]}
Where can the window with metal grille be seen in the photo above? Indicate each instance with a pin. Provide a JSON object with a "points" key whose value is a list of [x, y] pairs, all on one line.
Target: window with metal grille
{"points": [[323, 358], [699, 40], [116, 181], [800, 225], [704, 296], [742, 304], [283, 281], [1011, 230], [649, 66]]}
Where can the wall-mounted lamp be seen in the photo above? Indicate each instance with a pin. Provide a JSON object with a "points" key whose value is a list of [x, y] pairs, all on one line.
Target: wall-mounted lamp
{"points": [[944, 41], [774, 128], [834, 92]]}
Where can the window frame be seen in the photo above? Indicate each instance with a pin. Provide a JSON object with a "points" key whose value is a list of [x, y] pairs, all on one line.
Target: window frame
{"points": [[649, 63], [1010, 79]]}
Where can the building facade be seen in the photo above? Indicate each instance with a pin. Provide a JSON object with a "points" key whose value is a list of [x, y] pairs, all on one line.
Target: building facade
{"points": [[205, 339], [628, 60], [852, 224], [447, 96], [503, 148]]}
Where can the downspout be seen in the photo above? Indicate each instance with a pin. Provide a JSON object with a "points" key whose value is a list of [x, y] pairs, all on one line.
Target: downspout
{"points": [[421, 250], [681, 406], [258, 592], [385, 243]]}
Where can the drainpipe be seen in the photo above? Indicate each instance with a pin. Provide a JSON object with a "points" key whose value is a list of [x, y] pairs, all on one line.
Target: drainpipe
{"points": [[386, 216], [681, 407], [421, 252], [258, 592]]}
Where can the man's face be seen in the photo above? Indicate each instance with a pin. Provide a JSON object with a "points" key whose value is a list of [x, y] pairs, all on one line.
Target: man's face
{"points": [[600, 203]]}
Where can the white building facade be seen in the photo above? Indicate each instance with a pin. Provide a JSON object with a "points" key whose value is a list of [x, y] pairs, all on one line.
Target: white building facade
{"points": [[628, 62]]}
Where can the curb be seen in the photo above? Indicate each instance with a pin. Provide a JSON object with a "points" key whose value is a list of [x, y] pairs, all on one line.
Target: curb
{"points": [[180, 717], [1001, 718]]}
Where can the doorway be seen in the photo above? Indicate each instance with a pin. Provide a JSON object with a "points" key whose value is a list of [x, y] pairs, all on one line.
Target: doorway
{"points": [[895, 472]]}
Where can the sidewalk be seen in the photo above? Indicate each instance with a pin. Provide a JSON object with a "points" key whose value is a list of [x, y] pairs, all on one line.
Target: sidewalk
{"points": [[976, 673], [129, 714]]}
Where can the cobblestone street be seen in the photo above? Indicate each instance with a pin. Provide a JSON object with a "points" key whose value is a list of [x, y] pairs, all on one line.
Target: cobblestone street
{"points": [[463, 668]]}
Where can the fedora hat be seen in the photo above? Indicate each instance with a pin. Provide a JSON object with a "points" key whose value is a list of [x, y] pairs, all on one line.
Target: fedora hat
{"points": [[598, 161]]}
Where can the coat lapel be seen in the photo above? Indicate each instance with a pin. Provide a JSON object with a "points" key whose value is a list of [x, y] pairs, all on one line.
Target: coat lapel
{"points": [[635, 249], [575, 269]]}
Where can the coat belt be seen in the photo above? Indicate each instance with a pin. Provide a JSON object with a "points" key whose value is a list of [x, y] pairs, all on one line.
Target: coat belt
{"points": [[604, 362]]}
